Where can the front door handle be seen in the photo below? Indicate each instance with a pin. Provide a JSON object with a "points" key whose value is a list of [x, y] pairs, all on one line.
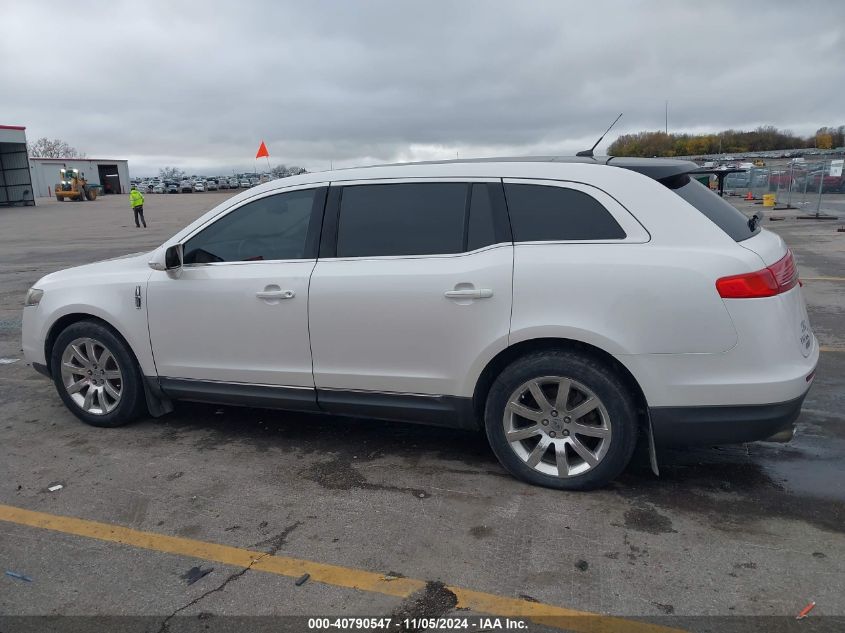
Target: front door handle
{"points": [[469, 293], [275, 295]]}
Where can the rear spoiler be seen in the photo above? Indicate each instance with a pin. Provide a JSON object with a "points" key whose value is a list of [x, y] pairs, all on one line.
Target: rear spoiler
{"points": [[655, 168], [720, 174], [663, 168], [716, 170]]}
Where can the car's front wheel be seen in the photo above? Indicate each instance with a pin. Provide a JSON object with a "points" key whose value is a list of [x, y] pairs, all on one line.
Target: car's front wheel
{"points": [[96, 375], [562, 420]]}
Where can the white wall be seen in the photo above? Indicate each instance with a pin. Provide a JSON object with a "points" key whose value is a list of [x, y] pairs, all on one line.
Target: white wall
{"points": [[8, 135], [45, 173]]}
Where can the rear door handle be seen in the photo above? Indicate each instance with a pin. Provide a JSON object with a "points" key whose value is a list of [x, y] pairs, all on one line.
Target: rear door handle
{"points": [[469, 293], [276, 294]]}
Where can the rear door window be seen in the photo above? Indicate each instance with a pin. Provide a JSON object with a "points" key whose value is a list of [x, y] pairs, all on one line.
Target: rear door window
{"points": [[549, 213], [402, 219], [721, 213]]}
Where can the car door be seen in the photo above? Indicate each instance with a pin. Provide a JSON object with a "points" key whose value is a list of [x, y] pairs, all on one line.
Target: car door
{"points": [[238, 311], [411, 294]]}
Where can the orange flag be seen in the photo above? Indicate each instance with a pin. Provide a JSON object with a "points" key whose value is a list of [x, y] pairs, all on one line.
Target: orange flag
{"points": [[262, 151]]}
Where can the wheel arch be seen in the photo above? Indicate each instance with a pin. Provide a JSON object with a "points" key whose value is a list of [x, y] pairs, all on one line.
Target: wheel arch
{"points": [[513, 352], [158, 404], [64, 321]]}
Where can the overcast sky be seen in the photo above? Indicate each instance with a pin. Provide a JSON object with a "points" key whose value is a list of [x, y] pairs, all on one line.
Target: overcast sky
{"points": [[199, 85]]}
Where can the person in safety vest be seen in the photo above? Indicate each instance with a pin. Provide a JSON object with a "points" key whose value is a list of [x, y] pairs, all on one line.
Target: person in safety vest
{"points": [[136, 199]]}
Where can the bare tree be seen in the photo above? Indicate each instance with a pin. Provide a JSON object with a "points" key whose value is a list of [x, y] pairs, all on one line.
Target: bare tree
{"points": [[53, 148], [171, 173], [283, 171]]}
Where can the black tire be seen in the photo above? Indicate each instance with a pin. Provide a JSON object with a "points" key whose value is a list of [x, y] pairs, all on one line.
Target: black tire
{"points": [[131, 404], [602, 380]]}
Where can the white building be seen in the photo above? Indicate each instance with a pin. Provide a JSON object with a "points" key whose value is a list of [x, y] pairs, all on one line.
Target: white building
{"points": [[111, 174], [15, 184]]}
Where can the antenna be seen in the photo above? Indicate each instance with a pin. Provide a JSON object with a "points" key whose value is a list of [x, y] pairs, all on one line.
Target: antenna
{"points": [[589, 152]]}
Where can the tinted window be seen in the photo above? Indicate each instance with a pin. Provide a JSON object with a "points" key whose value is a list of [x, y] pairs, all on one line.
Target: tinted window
{"points": [[541, 212], [722, 214], [402, 219], [481, 229], [270, 228]]}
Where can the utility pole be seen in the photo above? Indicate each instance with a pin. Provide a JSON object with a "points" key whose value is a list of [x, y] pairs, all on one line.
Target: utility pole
{"points": [[667, 117]]}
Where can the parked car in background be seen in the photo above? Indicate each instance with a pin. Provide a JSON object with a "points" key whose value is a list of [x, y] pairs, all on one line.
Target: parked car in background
{"points": [[245, 184], [786, 179], [222, 183], [199, 185], [830, 184], [739, 180], [234, 183], [171, 187], [186, 187], [460, 294], [761, 178], [158, 188], [211, 185]]}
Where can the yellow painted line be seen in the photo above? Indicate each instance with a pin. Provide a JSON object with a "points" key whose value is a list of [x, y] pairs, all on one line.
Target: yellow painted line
{"points": [[824, 348], [822, 278], [478, 601]]}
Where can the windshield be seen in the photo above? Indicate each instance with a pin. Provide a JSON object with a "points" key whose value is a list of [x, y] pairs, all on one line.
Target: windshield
{"points": [[722, 214]]}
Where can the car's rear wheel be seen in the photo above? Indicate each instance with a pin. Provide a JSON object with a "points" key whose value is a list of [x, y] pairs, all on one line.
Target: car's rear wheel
{"points": [[96, 375], [562, 420]]}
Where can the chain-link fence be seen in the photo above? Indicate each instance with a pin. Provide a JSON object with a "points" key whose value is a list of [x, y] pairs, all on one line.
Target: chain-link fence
{"points": [[797, 184]]}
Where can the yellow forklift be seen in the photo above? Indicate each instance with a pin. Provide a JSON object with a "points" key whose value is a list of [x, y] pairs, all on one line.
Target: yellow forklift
{"points": [[73, 186]]}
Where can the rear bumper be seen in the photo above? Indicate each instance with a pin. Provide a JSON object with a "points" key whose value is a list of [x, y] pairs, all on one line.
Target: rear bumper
{"points": [[685, 426]]}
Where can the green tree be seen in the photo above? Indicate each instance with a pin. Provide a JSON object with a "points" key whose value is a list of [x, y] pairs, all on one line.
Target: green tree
{"points": [[762, 139]]}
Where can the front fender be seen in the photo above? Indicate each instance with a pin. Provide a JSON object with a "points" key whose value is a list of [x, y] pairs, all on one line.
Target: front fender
{"points": [[114, 304]]}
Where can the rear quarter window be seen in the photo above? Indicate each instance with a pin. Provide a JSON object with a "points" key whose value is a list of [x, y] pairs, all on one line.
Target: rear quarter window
{"points": [[548, 213], [723, 214]]}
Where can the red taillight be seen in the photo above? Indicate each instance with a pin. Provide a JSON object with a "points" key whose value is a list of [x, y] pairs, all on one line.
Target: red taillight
{"points": [[785, 272], [777, 278], [748, 286]]}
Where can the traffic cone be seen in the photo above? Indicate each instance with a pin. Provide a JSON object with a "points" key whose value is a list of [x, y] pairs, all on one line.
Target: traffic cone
{"points": [[749, 195]]}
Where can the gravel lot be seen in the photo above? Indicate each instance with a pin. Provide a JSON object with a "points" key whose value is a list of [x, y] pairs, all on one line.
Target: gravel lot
{"points": [[752, 530]]}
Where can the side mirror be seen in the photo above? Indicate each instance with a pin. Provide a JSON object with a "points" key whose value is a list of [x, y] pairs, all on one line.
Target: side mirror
{"points": [[173, 257], [170, 260]]}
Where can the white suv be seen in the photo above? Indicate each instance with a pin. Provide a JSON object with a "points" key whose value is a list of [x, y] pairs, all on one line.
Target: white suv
{"points": [[564, 305]]}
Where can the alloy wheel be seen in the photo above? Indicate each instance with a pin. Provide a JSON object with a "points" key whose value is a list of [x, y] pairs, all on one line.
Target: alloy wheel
{"points": [[92, 376], [557, 426]]}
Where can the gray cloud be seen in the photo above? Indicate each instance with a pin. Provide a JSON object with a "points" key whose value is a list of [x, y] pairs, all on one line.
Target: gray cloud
{"points": [[199, 84]]}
